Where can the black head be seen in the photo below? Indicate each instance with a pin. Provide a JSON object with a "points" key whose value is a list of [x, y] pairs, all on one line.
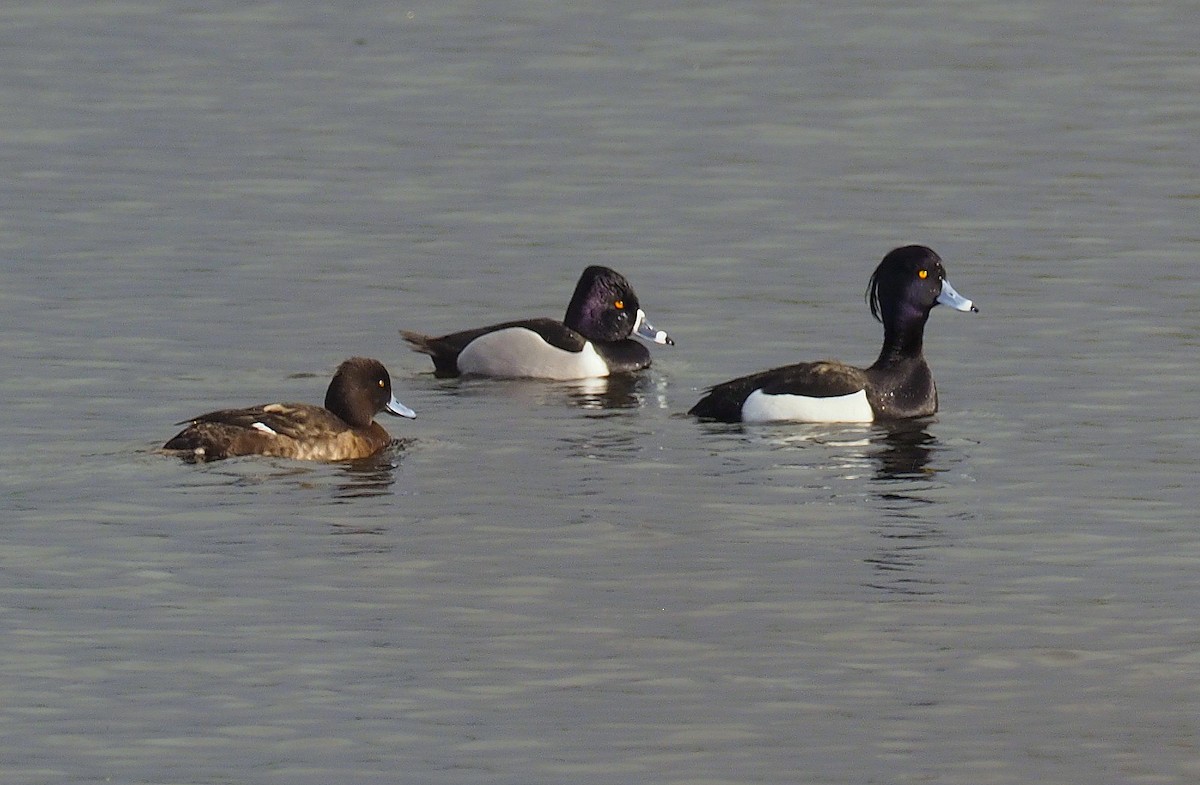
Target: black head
{"points": [[604, 307], [907, 284], [360, 389]]}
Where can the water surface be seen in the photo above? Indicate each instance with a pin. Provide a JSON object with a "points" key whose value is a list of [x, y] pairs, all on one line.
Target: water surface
{"points": [[212, 205]]}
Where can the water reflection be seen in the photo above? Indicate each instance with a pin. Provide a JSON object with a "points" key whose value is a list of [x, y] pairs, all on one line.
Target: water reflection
{"points": [[899, 563], [905, 451], [890, 467], [910, 528], [622, 391], [372, 476], [363, 478], [845, 447], [891, 451], [603, 443]]}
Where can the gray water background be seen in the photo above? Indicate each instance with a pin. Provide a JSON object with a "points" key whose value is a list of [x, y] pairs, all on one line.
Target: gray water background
{"points": [[212, 204]]}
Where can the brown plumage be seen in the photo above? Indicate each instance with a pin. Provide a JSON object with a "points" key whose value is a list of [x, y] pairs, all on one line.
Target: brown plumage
{"points": [[343, 430]]}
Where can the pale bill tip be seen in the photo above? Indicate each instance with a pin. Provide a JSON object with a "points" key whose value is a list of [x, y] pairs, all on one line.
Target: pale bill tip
{"points": [[643, 329], [399, 409]]}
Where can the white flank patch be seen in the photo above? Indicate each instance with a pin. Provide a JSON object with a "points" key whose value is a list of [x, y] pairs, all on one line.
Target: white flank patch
{"points": [[264, 428], [518, 352], [760, 407]]}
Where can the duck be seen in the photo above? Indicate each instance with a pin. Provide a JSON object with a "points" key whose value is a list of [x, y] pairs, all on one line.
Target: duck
{"points": [[344, 430], [591, 341], [908, 283]]}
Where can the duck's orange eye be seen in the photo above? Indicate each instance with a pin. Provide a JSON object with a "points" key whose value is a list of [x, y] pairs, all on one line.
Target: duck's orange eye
{"points": [[923, 274], [619, 305]]}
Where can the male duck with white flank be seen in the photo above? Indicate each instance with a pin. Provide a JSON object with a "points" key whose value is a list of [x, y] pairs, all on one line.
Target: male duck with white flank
{"points": [[344, 430], [591, 341], [904, 288]]}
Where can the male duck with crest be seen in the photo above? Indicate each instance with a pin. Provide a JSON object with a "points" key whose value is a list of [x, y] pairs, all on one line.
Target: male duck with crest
{"points": [[591, 341], [344, 430], [904, 288]]}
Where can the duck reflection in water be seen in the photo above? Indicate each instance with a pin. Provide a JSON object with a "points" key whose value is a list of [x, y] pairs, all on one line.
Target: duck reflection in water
{"points": [[619, 391], [899, 462], [907, 529], [372, 476], [899, 450], [906, 450]]}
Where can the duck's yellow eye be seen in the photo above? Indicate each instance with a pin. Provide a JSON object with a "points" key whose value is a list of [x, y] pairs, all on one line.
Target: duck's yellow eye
{"points": [[923, 274], [619, 305], [382, 384]]}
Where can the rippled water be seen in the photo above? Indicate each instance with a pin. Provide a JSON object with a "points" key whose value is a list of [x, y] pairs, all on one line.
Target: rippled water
{"points": [[211, 205]]}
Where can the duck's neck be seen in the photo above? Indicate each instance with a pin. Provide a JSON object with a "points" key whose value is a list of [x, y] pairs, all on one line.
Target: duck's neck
{"points": [[903, 341], [346, 412]]}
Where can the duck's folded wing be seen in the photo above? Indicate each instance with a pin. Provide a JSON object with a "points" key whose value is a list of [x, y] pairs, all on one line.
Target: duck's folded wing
{"points": [[823, 379], [552, 332], [445, 349], [293, 420]]}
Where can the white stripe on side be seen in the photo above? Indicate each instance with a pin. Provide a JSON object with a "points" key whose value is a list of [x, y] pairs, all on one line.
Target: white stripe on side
{"points": [[760, 407]]}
